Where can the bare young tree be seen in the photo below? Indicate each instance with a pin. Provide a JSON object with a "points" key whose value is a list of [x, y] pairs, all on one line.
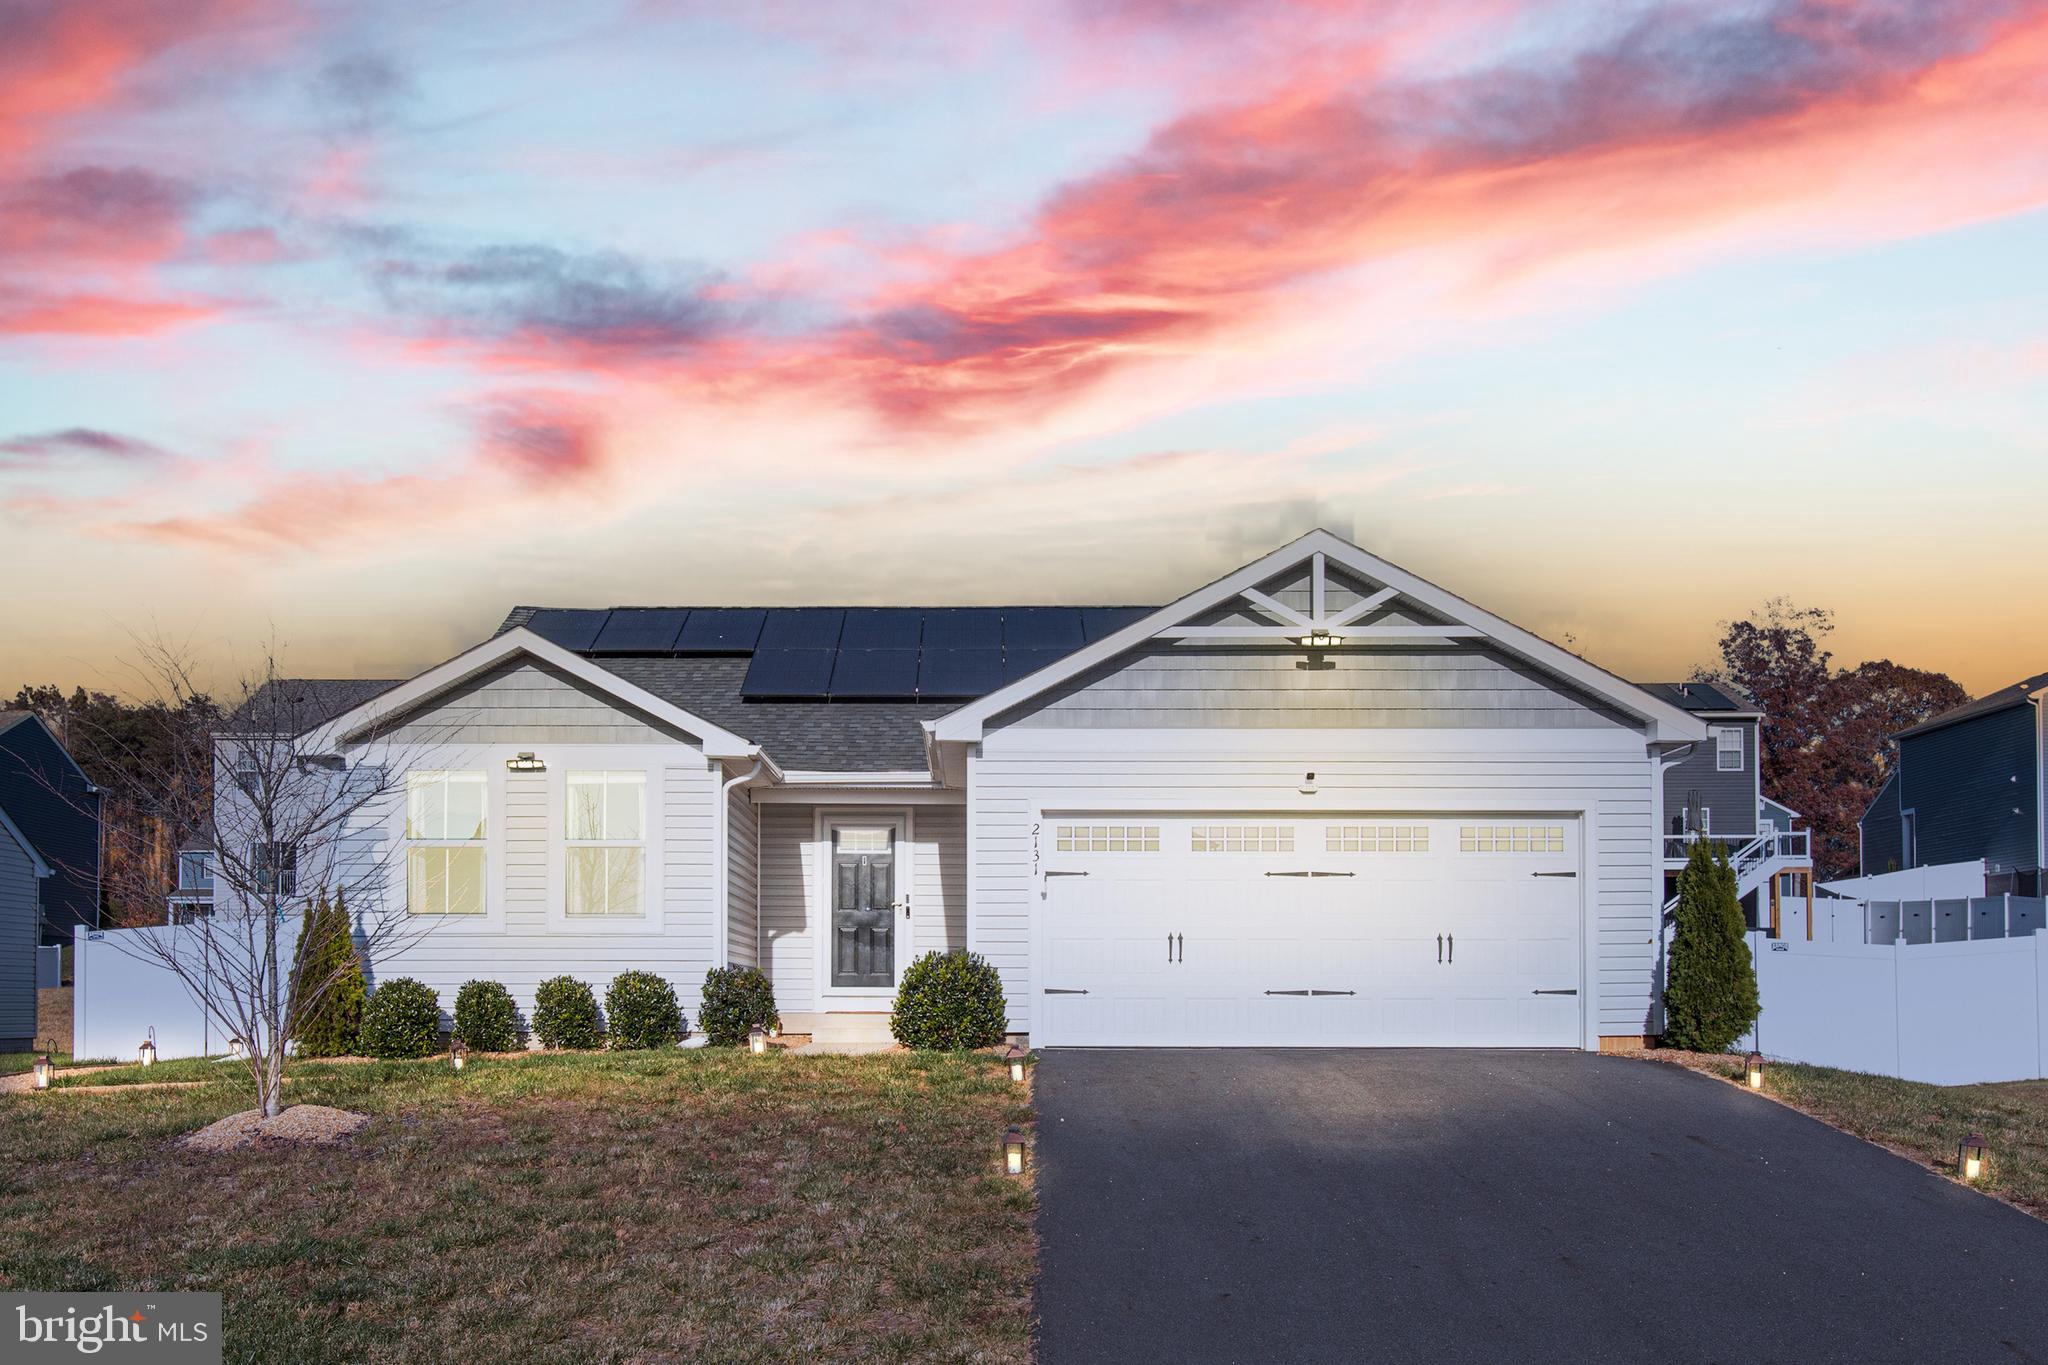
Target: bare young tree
{"points": [[285, 820]]}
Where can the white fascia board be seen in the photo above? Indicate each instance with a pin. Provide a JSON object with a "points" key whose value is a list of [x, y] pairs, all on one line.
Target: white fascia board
{"points": [[718, 742], [1665, 721], [894, 777], [1330, 743], [13, 831]]}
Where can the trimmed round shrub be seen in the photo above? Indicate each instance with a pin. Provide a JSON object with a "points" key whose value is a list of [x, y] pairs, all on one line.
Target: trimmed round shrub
{"points": [[950, 1002], [402, 1018], [642, 1011], [565, 1014], [737, 1000], [485, 1017]]}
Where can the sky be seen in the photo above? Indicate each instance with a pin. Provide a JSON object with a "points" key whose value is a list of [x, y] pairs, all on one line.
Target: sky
{"points": [[342, 328]]}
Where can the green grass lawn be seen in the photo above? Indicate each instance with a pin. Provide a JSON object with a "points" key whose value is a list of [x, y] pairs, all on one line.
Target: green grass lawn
{"points": [[1924, 1122], [704, 1205]]}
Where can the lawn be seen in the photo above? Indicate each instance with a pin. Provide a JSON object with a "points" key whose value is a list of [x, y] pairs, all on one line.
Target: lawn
{"points": [[704, 1205], [1923, 1122]]}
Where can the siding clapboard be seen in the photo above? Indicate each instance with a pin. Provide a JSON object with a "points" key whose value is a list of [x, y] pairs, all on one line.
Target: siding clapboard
{"points": [[743, 915], [20, 931], [1697, 780], [787, 873]]}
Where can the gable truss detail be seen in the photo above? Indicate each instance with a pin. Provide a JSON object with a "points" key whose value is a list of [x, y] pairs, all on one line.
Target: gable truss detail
{"points": [[1319, 625]]}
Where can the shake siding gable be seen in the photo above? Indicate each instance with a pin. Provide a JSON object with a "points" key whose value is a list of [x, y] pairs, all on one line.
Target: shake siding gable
{"points": [[526, 702]]}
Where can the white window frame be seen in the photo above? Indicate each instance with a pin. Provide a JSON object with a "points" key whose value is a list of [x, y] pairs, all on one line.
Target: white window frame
{"points": [[482, 843], [655, 763], [606, 778], [1722, 752]]}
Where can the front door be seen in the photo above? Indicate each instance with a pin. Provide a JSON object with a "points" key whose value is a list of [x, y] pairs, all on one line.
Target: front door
{"points": [[864, 905]]}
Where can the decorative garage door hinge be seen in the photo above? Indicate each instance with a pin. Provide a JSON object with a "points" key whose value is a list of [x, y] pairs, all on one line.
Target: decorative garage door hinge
{"points": [[1311, 874], [1057, 872], [1060, 990], [1553, 874], [1573, 991]]}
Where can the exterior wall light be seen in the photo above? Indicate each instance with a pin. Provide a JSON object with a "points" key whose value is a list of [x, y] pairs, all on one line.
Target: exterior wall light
{"points": [[237, 1049], [525, 763], [1013, 1150], [757, 1040], [1970, 1156], [146, 1054], [44, 1066], [1320, 639], [1755, 1069], [458, 1053]]}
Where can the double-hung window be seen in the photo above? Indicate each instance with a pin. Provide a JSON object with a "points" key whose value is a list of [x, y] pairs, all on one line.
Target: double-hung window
{"points": [[275, 867], [1728, 748], [607, 844], [444, 832]]}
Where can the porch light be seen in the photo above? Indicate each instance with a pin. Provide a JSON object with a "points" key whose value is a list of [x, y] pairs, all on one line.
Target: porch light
{"points": [[458, 1053], [1755, 1067], [1320, 639], [757, 1040], [1013, 1150], [44, 1067], [525, 763], [1970, 1156], [237, 1049], [146, 1054]]}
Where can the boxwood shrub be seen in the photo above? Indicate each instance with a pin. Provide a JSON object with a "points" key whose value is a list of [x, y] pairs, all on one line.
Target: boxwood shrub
{"points": [[485, 1017], [736, 1001], [402, 1018], [948, 1002], [565, 1014], [642, 1011]]}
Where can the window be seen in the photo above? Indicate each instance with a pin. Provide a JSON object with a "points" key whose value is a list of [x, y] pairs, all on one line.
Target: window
{"points": [[1728, 748], [276, 869], [1511, 839], [195, 870], [444, 831], [1909, 839], [1376, 839], [1242, 838], [1106, 838], [607, 857]]}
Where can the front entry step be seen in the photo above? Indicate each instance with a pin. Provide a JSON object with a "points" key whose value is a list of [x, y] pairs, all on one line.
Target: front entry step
{"points": [[835, 1032]]}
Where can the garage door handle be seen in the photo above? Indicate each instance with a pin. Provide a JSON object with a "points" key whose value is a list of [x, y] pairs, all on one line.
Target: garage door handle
{"points": [[1574, 991], [1057, 872], [1060, 990], [1451, 942], [1290, 992], [1439, 950], [1311, 874], [1553, 874]]}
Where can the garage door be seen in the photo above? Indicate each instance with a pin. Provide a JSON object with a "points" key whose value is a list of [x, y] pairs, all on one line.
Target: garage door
{"points": [[1379, 930]]}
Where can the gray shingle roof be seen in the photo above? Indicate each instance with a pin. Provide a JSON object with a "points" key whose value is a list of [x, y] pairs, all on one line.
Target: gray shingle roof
{"points": [[1984, 705], [294, 705], [1697, 697]]}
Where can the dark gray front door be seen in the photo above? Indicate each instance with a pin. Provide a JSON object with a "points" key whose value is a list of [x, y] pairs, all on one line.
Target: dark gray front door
{"points": [[863, 907]]}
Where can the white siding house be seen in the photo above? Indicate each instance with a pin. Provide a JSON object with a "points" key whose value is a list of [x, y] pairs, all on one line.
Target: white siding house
{"points": [[1319, 801]]}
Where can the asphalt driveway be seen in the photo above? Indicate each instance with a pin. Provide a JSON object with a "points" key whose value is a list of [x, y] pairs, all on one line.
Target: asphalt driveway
{"points": [[1283, 1205]]}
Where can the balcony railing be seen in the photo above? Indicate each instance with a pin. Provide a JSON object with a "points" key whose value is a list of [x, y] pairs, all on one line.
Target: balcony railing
{"points": [[1792, 845]]}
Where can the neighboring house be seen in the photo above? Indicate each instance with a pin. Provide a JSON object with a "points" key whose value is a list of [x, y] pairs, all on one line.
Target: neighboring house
{"points": [[1318, 801], [54, 805], [1968, 785], [23, 874], [1715, 791], [192, 897]]}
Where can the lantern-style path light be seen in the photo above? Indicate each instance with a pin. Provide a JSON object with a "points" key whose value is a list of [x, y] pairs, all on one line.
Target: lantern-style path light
{"points": [[458, 1053], [146, 1054], [237, 1049], [1970, 1154], [44, 1069], [757, 1040], [1754, 1068], [1013, 1150], [1015, 1056]]}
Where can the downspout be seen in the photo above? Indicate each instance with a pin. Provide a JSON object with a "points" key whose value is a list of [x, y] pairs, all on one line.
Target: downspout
{"points": [[723, 908], [1665, 762]]}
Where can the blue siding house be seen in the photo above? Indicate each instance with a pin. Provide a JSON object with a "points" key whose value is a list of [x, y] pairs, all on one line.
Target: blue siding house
{"points": [[1968, 785], [50, 801]]}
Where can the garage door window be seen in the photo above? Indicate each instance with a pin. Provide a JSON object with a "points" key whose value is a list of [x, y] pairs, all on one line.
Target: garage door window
{"points": [[1106, 838], [1511, 839], [1242, 839], [1376, 839]]}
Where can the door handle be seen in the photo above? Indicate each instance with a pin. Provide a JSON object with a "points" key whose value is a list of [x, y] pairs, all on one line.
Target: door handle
{"points": [[1439, 950]]}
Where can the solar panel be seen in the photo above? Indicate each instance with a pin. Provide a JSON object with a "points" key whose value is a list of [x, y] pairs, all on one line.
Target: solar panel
{"points": [[963, 628], [882, 628], [801, 628], [788, 673], [1042, 628], [1102, 621], [640, 630], [569, 627], [875, 673], [1018, 662], [721, 630], [959, 672]]}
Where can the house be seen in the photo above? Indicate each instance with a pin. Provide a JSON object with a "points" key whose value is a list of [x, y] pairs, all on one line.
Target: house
{"points": [[56, 807], [1714, 791], [22, 875], [1968, 786], [1317, 801]]}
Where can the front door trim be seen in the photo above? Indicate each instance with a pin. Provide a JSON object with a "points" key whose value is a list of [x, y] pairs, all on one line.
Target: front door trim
{"points": [[859, 999]]}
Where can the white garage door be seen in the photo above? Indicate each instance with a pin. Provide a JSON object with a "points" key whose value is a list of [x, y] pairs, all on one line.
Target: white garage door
{"points": [[1339, 931]]}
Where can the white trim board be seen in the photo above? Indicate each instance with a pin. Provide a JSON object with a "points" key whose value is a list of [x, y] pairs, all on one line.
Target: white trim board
{"points": [[1664, 722]]}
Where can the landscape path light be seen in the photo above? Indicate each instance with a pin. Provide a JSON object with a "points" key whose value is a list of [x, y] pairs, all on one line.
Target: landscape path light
{"points": [[1755, 1069], [458, 1053], [146, 1054], [1970, 1156], [1013, 1150], [44, 1066], [757, 1040]]}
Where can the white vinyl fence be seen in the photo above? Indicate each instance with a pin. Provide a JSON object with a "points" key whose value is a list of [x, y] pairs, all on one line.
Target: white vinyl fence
{"points": [[1949, 1013], [122, 990]]}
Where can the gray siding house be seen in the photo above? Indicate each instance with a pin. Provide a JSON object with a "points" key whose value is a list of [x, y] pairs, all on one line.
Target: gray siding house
{"points": [[51, 801], [1969, 785], [22, 875], [1319, 801]]}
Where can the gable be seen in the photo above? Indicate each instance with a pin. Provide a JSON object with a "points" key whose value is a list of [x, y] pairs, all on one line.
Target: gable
{"points": [[524, 700]]}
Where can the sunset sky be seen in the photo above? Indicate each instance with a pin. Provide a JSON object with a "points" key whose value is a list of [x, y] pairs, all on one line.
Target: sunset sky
{"points": [[358, 324]]}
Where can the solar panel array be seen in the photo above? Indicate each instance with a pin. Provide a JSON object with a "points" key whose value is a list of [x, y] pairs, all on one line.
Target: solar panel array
{"points": [[847, 653]]}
